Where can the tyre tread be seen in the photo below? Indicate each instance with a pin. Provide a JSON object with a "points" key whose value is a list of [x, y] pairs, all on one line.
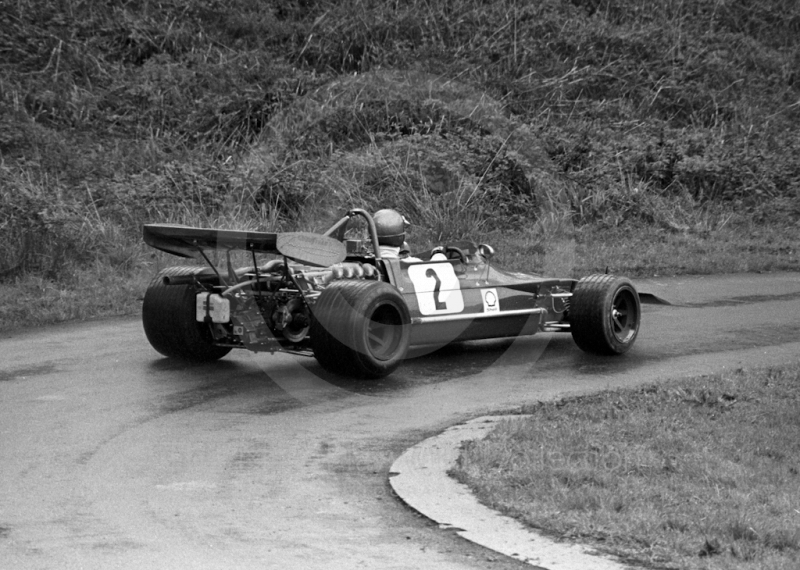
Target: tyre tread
{"points": [[588, 313], [335, 321]]}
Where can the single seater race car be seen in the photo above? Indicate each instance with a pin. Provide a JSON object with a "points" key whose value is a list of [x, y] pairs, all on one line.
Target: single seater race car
{"points": [[357, 311]]}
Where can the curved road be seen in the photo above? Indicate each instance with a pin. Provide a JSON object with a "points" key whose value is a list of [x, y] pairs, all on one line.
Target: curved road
{"points": [[112, 457]]}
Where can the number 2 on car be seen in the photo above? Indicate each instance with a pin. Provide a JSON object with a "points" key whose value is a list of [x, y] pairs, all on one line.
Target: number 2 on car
{"points": [[437, 288]]}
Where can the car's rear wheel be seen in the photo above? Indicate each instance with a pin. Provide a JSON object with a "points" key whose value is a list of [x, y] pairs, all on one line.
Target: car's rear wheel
{"points": [[168, 317], [605, 314], [360, 328]]}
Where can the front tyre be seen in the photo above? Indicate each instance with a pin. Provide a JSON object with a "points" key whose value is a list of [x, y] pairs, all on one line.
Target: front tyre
{"points": [[605, 314], [360, 328], [168, 317]]}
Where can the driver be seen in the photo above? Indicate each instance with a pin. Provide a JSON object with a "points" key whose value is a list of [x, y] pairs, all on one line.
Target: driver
{"points": [[391, 226]]}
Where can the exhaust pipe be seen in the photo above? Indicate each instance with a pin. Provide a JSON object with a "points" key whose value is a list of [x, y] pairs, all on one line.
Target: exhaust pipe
{"points": [[209, 279]]}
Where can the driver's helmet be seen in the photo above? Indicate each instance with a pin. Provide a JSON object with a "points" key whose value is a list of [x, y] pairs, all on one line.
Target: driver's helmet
{"points": [[391, 227]]}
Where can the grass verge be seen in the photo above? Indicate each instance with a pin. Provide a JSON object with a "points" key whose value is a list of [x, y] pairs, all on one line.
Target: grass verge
{"points": [[109, 287], [31, 301], [698, 473]]}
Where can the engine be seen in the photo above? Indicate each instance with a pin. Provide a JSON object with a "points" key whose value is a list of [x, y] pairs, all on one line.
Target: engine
{"points": [[272, 307]]}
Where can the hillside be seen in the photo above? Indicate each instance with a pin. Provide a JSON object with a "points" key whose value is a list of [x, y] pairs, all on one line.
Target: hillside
{"points": [[655, 138]]}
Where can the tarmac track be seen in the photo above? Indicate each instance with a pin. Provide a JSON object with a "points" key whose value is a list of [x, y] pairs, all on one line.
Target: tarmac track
{"points": [[113, 457]]}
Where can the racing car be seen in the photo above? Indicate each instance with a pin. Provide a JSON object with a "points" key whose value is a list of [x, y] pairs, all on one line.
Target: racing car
{"points": [[357, 310]]}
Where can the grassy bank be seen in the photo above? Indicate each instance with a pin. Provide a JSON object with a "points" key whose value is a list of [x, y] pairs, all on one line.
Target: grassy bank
{"points": [[576, 135], [701, 473]]}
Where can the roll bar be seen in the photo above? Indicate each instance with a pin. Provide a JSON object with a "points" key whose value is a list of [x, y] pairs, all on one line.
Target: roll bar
{"points": [[341, 226]]}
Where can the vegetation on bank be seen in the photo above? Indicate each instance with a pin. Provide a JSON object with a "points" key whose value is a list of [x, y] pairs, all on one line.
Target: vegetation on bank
{"points": [[563, 131], [699, 473]]}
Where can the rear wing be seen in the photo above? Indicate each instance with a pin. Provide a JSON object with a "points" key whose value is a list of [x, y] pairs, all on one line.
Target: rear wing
{"points": [[186, 241]]}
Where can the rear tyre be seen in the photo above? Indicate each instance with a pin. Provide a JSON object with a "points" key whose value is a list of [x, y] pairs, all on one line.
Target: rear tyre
{"points": [[605, 314], [360, 328], [168, 317]]}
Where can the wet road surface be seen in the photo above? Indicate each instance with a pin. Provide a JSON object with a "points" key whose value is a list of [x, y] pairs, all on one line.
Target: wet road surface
{"points": [[113, 457]]}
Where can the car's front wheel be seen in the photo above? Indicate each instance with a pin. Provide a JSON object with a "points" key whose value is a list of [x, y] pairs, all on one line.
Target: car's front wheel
{"points": [[360, 328], [604, 314]]}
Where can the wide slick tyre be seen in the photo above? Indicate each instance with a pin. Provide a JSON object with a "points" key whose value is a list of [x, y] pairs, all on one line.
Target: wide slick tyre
{"points": [[360, 328], [168, 317], [605, 314]]}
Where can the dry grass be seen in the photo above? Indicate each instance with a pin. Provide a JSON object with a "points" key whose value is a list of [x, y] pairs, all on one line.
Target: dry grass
{"points": [[701, 473]]}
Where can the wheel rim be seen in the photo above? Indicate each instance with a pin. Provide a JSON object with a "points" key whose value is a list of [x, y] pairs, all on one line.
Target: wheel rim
{"points": [[384, 332], [624, 317]]}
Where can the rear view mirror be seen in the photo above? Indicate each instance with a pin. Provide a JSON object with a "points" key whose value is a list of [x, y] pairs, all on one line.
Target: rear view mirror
{"points": [[486, 251]]}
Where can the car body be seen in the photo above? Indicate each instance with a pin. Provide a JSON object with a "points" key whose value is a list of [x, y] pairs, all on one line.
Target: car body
{"points": [[358, 311]]}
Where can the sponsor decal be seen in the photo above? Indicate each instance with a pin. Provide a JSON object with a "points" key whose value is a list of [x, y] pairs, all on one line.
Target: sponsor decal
{"points": [[491, 301]]}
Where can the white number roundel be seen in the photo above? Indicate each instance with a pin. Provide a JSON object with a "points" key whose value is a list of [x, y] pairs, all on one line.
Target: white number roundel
{"points": [[437, 288]]}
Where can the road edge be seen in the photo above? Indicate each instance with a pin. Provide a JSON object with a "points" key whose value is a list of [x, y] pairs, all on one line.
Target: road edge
{"points": [[420, 478]]}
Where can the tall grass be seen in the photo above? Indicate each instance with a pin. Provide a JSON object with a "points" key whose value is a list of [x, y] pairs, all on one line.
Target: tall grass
{"points": [[472, 117]]}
